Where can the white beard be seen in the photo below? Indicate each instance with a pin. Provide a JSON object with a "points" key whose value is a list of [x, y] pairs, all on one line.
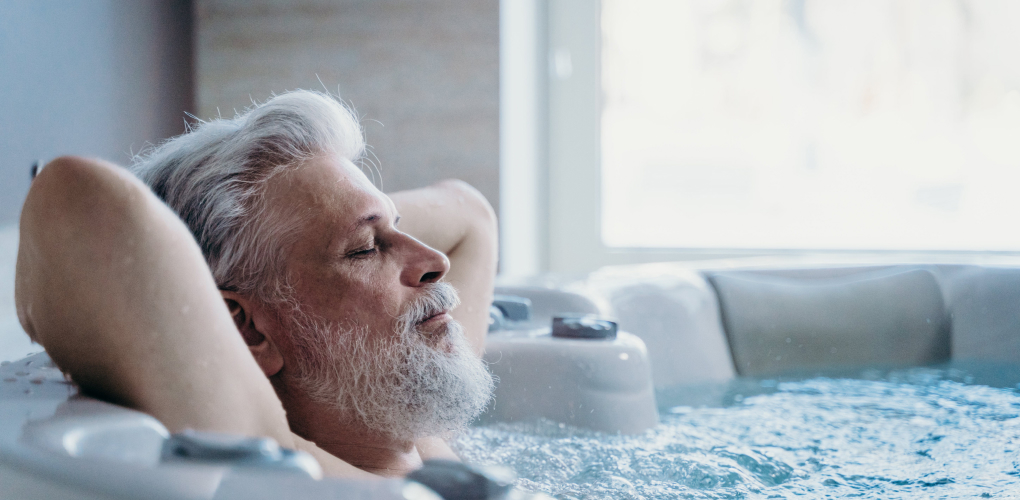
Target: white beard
{"points": [[398, 386]]}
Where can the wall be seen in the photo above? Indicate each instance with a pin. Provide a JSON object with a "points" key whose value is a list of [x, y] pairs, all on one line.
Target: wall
{"points": [[94, 78], [423, 75]]}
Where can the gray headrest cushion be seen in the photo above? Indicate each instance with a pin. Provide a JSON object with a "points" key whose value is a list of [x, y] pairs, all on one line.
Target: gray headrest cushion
{"points": [[779, 324]]}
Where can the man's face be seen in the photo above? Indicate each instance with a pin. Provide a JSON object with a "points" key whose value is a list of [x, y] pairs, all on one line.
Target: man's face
{"points": [[350, 265], [371, 338]]}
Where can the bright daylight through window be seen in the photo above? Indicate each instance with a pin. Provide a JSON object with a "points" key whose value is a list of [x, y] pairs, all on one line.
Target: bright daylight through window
{"points": [[818, 124]]}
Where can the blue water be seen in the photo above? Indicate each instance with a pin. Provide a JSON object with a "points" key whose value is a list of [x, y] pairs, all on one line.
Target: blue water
{"points": [[912, 434]]}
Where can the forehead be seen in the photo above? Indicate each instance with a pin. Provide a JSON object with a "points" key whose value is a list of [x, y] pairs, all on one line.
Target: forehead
{"points": [[325, 189]]}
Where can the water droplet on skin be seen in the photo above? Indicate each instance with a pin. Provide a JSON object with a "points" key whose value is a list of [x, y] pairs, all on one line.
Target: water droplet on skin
{"points": [[624, 356]]}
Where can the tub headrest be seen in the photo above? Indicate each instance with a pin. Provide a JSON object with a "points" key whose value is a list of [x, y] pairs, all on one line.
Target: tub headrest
{"points": [[804, 321]]}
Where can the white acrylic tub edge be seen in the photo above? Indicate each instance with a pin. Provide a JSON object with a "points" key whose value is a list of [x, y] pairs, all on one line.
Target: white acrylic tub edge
{"points": [[599, 384]]}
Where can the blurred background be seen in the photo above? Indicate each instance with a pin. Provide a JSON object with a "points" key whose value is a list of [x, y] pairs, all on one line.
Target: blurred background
{"points": [[886, 125], [602, 132], [107, 78]]}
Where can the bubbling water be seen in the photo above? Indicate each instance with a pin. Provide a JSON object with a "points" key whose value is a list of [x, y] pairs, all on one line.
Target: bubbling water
{"points": [[913, 434]]}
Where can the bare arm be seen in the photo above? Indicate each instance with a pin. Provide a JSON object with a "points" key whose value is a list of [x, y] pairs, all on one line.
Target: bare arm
{"points": [[455, 219], [112, 284]]}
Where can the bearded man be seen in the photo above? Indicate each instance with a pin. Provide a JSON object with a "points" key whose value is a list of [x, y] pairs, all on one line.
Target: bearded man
{"points": [[261, 285]]}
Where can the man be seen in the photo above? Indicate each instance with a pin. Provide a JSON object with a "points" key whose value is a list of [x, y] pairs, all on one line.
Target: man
{"points": [[342, 334]]}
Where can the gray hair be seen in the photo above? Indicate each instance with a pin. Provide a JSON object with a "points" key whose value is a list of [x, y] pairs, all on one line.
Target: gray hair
{"points": [[214, 177]]}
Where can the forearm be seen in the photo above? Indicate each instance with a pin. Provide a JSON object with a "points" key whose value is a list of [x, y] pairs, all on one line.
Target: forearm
{"points": [[456, 219]]}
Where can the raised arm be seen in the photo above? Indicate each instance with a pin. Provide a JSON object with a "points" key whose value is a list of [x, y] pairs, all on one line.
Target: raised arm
{"points": [[456, 219], [115, 288]]}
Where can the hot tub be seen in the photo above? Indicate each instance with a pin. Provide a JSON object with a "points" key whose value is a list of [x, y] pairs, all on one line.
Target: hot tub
{"points": [[799, 377], [691, 337]]}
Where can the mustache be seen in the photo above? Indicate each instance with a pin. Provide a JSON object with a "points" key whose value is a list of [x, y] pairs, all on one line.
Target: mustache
{"points": [[434, 299]]}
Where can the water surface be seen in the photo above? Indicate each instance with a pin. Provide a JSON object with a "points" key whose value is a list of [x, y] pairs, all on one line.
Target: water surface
{"points": [[919, 433]]}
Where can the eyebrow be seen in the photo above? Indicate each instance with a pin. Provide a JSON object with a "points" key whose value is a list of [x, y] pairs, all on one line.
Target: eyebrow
{"points": [[372, 218], [366, 220]]}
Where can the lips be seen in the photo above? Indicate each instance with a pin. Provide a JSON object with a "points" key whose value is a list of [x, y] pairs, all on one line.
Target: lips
{"points": [[430, 310], [441, 315]]}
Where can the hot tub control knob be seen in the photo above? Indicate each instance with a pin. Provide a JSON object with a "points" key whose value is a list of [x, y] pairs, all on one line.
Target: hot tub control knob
{"points": [[586, 326], [514, 308], [507, 311], [458, 481], [242, 451]]}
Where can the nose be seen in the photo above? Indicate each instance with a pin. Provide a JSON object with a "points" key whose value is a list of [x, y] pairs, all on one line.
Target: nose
{"points": [[423, 264]]}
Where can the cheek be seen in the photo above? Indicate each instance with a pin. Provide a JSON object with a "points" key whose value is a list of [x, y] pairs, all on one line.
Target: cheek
{"points": [[363, 298], [377, 281]]}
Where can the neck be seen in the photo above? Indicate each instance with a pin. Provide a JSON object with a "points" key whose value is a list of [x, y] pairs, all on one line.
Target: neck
{"points": [[353, 443], [382, 460]]}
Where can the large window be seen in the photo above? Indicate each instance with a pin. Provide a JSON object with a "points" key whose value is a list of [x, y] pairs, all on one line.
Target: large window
{"points": [[818, 124]]}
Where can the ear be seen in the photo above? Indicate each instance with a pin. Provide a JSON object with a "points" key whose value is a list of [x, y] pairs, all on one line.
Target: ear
{"points": [[261, 345]]}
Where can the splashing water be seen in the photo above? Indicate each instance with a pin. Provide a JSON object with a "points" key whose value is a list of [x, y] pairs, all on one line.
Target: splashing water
{"points": [[914, 434]]}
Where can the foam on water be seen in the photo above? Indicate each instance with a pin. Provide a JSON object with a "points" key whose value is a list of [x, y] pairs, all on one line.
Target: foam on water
{"points": [[913, 434]]}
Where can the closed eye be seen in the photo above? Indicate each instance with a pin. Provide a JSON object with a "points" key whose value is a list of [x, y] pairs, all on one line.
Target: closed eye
{"points": [[364, 253]]}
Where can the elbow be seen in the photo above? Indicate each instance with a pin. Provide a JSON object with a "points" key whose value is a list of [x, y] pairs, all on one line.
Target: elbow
{"points": [[62, 188], [73, 209], [77, 193]]}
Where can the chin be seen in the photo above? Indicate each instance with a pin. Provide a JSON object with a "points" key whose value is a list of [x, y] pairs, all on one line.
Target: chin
{"points": [[442, 338], [427, 382]]}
